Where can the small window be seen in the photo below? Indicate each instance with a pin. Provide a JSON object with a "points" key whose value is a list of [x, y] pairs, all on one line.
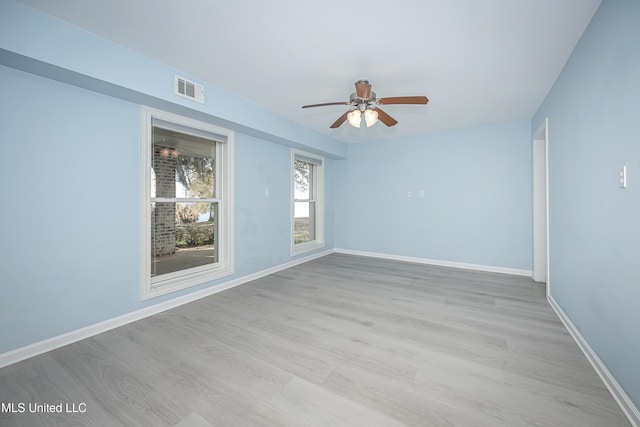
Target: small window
{"points": [[187, 206], [308, 206]]}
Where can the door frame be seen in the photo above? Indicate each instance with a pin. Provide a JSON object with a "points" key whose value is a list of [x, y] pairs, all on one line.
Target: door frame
{"points": [[540, 214]]}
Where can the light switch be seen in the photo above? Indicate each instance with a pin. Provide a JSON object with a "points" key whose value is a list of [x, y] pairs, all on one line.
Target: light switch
{"points": [[622, 177]]}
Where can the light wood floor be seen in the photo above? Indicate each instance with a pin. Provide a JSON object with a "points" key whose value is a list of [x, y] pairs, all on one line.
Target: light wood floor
{"points": [[339, 341]]}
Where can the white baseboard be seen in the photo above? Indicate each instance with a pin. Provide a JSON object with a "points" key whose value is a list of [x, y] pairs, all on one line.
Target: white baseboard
{"points": [[440, 263], [619, 395], [22, 353]]}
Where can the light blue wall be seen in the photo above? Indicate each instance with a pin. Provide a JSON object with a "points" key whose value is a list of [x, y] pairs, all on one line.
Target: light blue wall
{"points": [[69, 253], [594, 128], [477, 204]]}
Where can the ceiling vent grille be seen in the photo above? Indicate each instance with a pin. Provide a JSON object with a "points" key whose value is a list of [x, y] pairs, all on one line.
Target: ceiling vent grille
{"points": [[189, 89]]}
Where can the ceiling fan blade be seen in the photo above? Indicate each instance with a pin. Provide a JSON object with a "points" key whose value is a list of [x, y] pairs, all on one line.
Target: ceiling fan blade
{"points": [[385, 118], [326, 103], [340, 120], [363, 89], [403, 100]]}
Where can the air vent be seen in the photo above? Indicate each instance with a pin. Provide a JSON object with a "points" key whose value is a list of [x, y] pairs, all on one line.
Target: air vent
{"points": [[189, 89]]}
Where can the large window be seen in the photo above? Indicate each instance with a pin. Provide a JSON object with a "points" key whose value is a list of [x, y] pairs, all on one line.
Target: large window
{"points": [[308, 207], [187, 203]]}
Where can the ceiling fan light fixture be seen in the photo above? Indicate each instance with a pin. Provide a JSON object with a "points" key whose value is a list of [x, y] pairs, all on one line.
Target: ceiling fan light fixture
{"points": [[355, 117], [370, 117]]}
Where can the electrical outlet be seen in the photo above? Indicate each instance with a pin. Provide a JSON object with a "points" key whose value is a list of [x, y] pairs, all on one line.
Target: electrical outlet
{"points": [[421, 194], [408, 194]]}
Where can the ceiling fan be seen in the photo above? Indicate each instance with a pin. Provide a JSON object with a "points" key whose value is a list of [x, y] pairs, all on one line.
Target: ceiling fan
{"points": [[365, 103]]}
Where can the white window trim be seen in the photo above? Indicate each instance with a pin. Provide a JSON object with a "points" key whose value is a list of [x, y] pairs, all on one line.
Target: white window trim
{"points": [[168, 283], [318, 181]]}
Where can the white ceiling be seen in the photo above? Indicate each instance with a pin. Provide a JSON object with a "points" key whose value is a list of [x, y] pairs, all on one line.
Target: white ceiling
{"points": [[478, 61]]}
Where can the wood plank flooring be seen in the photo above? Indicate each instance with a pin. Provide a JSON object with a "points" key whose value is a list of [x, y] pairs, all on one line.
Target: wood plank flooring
{"points": [[338, 341]]}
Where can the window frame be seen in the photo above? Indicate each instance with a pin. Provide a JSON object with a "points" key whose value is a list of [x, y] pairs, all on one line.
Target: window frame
{"points": [[183, 279], [316, 196]]}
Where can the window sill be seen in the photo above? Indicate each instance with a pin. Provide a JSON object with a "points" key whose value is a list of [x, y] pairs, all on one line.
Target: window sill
{"points": [[301, 248], [163, 287]]}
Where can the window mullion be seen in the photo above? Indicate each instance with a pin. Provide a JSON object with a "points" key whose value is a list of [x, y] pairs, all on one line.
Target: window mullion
{"points": [[184, 200]]}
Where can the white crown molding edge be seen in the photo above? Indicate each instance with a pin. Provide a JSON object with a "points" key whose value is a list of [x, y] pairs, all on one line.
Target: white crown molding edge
{"points": [[37, 348], [441, 263], [617, 392]]}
